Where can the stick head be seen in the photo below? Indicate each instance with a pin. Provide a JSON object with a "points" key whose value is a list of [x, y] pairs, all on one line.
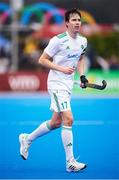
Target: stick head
{"points": [[104, 84]]}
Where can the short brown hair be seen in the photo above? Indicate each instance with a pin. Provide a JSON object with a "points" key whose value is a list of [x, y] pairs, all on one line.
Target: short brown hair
{"points": [[71, 11]]}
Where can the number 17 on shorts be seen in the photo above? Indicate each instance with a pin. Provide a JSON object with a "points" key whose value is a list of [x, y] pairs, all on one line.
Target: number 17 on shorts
{"points": [[60, 101]]}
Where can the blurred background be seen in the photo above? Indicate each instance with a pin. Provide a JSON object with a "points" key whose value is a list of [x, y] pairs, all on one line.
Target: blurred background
{"points": [[27, 26], [25, 29]]}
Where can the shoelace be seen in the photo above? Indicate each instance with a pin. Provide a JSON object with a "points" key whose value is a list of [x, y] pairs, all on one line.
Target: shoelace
{"points": [[74, 161]]}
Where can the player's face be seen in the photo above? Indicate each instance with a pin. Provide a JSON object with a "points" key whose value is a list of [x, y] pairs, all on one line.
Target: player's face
{"points": [[74, 23]]}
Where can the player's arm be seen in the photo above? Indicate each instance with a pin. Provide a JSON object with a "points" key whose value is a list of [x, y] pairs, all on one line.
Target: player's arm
{"points": [[80, 69], [45, 61], [49, 52], [84, 81]]}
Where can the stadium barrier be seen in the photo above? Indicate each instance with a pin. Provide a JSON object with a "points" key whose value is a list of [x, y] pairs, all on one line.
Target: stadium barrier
{"points": [[23, 81], [37, 81]]}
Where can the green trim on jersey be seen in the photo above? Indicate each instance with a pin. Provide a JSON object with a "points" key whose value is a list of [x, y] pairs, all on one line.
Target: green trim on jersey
{"points": [[57, 103], [62, 35]]}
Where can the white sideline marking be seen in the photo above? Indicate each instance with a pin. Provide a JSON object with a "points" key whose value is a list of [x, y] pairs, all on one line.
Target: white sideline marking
{"points": [[10, 95], [76, 123]]}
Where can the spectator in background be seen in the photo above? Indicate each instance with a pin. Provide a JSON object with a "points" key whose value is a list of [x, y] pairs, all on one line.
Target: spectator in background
{"points": [[114, 62], [4, 60], [28, 52]]}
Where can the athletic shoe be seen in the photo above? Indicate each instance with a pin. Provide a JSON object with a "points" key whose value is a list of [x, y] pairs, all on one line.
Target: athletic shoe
{"points": [[73, 166], [24, 145]]}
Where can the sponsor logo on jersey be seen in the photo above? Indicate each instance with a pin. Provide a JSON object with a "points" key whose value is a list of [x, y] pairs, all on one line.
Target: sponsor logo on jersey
{"points": [[73, 56], [65, 40]]}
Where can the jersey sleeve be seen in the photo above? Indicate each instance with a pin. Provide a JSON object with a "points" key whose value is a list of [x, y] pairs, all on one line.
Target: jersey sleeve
{"points": [[53, 47], [85, 46]]}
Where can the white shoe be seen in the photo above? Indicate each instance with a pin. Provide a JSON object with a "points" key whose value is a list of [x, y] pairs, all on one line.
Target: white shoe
{"points": [[73, 166], [24, 145]]}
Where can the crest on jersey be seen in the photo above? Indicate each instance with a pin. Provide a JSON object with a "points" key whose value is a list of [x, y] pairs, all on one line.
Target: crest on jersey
{"points": [[67, 47], [82, 46]]}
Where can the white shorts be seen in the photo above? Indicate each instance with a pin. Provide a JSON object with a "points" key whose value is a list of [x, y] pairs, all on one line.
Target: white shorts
{"points": [[60, 100]]}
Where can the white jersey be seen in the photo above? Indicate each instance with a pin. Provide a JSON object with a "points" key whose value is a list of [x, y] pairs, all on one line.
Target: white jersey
{"points": [[65, 51]]}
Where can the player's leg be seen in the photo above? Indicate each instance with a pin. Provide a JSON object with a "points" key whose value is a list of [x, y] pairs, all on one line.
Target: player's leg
{"points": [[62, 105], [49, 125], [46, 127], [66, 134], [67, 138], [56, 120]]}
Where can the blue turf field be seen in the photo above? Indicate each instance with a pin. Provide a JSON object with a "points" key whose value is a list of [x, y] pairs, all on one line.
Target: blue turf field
{"points": [[96, 138]]}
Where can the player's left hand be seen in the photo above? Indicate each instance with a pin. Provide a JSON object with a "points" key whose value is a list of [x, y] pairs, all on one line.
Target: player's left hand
{"points": [[84, 80]]}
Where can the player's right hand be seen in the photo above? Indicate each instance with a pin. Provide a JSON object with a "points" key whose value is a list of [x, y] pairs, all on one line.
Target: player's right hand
{"points": [[68, 70]]}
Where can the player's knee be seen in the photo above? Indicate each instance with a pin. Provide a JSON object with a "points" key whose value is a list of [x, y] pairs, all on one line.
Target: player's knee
{"points": [[68, 121], [58, 124]]}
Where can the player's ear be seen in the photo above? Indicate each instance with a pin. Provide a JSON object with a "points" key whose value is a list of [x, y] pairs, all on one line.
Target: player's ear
{"points": [[66, 23]]}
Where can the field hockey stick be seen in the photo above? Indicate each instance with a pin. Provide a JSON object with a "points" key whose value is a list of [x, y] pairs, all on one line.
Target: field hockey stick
{"points": [[94, 86]]}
